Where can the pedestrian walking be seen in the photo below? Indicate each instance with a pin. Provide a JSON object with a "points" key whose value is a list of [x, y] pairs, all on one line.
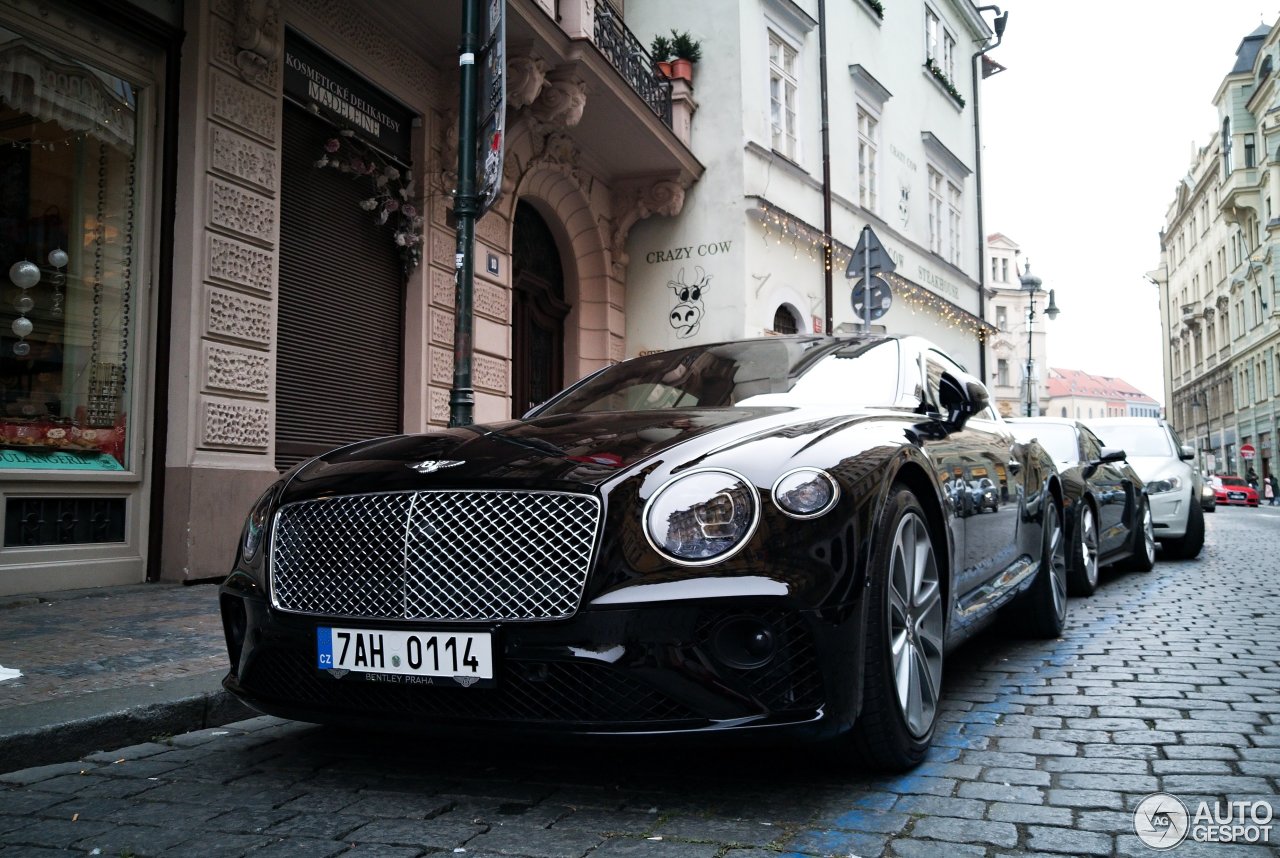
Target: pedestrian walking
{"points": [[1252, 476], [1273, 489]]}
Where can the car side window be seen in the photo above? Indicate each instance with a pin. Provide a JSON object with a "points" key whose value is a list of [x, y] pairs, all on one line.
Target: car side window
{"points": [[1090, 447]]}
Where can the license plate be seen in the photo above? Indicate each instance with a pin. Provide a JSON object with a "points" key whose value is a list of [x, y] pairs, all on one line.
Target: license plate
{"points": [[465, 657], [1236, 495]]}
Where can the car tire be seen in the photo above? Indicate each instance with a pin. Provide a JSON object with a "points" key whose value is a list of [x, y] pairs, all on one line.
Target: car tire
{"points": [[1143, 556], [1189, 544], [906, 629], [1042, 611], [1082, 567]]}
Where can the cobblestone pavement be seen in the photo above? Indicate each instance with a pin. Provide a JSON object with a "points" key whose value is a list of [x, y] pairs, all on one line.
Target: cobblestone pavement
{"points": [[1165, 681]]}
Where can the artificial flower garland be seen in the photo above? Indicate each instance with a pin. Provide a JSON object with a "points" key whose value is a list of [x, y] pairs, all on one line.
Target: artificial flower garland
{"points": [[393, 198]]}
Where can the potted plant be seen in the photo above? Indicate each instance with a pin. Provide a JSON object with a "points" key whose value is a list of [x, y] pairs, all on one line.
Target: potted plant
{"points": [[660, 49], [686, 51]]}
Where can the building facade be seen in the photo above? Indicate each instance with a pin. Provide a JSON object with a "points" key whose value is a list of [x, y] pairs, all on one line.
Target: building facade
{"points": [[228, 232], [1017, 352], [228, 236], [748, 254], [1083, 396], [1218, 275]]}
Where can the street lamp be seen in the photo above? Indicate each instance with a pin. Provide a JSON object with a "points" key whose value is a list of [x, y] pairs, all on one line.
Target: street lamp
{"points": [[1201, 400], [1031, 285]]}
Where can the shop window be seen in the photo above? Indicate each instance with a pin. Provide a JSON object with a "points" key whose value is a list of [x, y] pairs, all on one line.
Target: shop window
{"points": [[69, 255]]}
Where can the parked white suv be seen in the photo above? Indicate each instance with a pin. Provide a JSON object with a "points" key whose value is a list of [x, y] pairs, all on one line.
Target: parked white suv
{"points": [[1174, 486]]}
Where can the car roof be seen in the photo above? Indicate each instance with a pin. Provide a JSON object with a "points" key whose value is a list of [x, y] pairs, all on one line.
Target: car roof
{"points": [[1060, 421]]}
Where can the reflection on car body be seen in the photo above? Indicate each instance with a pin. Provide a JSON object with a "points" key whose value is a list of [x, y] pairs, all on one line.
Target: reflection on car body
{"points": [[725, 538], [1106, 508]]}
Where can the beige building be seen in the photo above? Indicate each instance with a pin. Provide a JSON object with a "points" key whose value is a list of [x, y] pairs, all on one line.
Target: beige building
{"points": [[1218, 275], [228, 230], [1017, 353]]}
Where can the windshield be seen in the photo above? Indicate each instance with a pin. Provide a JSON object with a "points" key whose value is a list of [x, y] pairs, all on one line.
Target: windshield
{"points": [[1058, 438], [1232, 481], [1137, 440], [845, 373]]}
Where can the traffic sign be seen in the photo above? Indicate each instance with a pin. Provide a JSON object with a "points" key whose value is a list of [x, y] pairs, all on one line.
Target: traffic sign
{"points": [[879, 302], [1247, 451], [869, 257]]}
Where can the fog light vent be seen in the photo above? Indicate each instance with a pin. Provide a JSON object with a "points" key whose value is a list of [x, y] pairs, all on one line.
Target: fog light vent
{"points": [[744, 642]]}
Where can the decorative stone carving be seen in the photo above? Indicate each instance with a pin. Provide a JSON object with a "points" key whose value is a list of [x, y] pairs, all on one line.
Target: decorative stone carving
{"points": [[617, 348], [438, 406], [257, 37], [227, 423], [493, 228], [240, 105], [562, 100], [444, 289], [1222, 303], [490, 373], [237, 370], [525, 79], [240, 317], [633, 201], [441, 327], [245, 266], [443, 247], [441, 368], [493, 301], [243, 159], [365, 38], [241, 211], [449, 150]]}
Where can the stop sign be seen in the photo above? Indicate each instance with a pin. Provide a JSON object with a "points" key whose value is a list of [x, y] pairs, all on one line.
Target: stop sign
{"points": [[1247, 451]]}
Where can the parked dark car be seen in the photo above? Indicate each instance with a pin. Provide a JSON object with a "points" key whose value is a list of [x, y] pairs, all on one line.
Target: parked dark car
{"points": [[711, 540], [1108, 517]]}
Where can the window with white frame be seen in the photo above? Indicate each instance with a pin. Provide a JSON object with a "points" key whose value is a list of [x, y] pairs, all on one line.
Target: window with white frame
{"points": [[1002, 372], [868, 152], [783, 85], [939, 44], [937, 191], [949, 55], [932, 27], [954, 231]]}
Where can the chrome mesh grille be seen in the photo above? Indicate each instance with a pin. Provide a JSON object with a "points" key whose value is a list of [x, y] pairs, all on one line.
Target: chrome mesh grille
{"points": [[446, 555]]}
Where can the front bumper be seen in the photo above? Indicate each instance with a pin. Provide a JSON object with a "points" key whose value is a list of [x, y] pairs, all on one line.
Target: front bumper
{"points": [[1169, 511], [672, 667]]}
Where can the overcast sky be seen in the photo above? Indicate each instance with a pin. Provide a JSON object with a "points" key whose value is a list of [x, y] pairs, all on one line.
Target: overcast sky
{"points": [[1085, 136]]}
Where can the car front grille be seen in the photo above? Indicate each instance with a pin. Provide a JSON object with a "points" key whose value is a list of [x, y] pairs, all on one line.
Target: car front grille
{"points": [[530, 692], [435, 555]]}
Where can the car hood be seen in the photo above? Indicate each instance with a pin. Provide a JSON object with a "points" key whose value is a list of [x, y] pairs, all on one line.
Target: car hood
{"points": [[567, 452], [1151, 468]]}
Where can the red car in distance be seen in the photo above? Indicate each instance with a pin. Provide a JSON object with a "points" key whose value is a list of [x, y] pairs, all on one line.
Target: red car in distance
{"points": [[1233, 491]]}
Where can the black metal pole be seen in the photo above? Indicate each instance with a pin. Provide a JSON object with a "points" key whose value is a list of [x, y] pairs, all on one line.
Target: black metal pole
{"points": [[466, 204], [1031, 321], [828, 252]]}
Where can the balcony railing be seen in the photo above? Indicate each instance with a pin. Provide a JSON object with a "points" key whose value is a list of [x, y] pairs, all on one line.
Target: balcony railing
{"points": [[632, 61]]}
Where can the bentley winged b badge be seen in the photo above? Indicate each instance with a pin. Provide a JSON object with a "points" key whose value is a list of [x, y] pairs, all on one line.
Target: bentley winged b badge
{"points": [[430, 466]]}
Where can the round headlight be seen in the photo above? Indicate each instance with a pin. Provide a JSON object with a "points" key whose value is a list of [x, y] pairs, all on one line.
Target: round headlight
{"points": [[701, 517], [805, 493]]}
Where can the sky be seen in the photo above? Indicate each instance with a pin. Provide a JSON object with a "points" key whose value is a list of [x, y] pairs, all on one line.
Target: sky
{"points": [[1084, 138]]}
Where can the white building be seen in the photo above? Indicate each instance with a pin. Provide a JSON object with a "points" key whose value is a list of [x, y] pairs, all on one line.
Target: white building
{"points": [[747, 255], [1017, 355]]}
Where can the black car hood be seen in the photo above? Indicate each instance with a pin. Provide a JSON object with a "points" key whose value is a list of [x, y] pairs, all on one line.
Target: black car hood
{"points": [[562, 452]]}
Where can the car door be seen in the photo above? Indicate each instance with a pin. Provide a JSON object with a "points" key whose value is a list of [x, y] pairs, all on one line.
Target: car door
{"points": [[1114, 493], [988, 542]]}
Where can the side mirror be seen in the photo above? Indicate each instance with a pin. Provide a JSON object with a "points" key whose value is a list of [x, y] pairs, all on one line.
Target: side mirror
{"points": [[1110, 454], [962, 397], [1187, 454]]}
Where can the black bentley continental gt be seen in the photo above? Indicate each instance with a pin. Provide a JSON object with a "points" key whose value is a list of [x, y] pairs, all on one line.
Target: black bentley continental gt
{"points": [[768, 534]]}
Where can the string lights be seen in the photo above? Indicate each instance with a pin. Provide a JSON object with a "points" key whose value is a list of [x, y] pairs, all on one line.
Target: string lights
{"points": [[780, 226]]}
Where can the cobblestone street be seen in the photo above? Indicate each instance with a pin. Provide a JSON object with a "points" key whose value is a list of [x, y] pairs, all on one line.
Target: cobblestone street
{"points": [[1163, 682]]}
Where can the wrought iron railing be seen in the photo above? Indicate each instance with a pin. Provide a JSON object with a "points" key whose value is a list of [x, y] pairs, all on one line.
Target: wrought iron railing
{"points": [[632, 61]]}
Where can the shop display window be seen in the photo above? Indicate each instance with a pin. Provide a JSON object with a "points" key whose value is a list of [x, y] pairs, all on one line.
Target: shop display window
{"points": [[69, 254]]}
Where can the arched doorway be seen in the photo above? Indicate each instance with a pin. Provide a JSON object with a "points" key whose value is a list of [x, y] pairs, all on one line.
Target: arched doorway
{"points": [[538, 312]]}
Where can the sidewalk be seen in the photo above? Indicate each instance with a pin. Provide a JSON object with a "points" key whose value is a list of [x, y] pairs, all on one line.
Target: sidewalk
{"points": [[109, 667]]}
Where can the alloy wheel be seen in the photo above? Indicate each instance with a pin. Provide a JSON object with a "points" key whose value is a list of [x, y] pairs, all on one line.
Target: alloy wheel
{"points": [[915, 624], [1148, 535], [1089, 545], [1057, 560]]}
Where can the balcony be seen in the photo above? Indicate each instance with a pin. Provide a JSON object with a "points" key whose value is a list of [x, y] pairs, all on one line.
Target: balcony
{"points": [[1190, 310], [631, 60], [1240, 191]]}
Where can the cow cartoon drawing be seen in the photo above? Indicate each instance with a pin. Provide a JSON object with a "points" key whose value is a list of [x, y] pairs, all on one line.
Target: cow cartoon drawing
{"points": [[687, 315]]}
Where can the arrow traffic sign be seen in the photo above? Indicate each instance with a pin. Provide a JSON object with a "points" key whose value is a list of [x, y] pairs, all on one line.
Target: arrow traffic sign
{"points": [[869, 257]]}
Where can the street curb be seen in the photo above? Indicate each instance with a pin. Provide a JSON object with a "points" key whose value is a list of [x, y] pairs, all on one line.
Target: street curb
{"points": [[43, 733]]}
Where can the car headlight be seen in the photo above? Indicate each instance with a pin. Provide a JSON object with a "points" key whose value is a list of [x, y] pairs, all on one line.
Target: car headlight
{"points": [[805, 492], [701, 517], [255, 526], [1168, 484]]}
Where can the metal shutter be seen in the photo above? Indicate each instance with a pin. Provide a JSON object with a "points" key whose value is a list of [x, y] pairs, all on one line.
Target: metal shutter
{"points": [[340, 335]]}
